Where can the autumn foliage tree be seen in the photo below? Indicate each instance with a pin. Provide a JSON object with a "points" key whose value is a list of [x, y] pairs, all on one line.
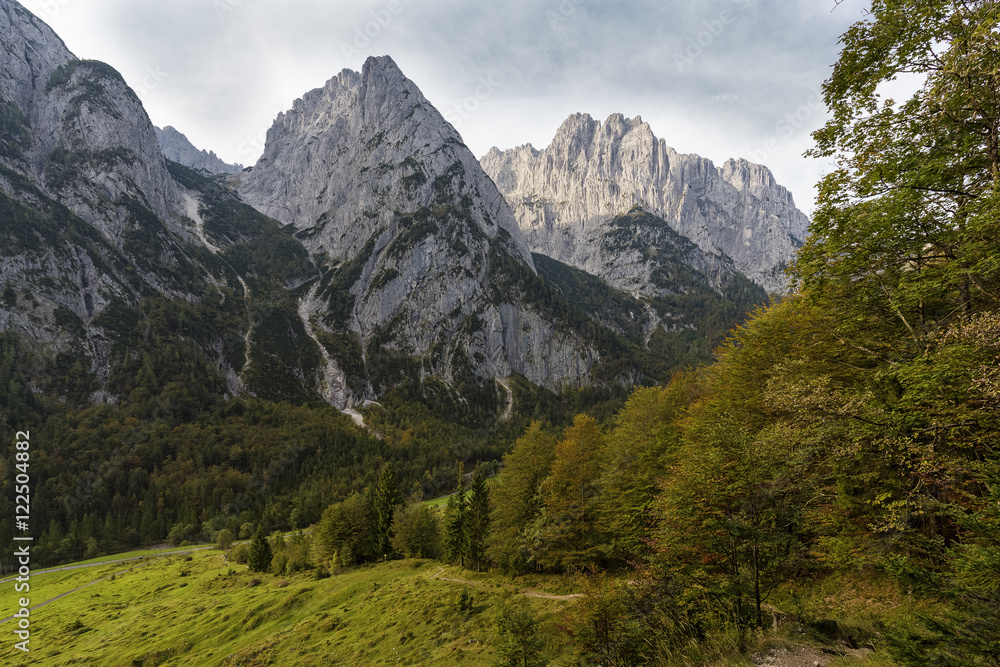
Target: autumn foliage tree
{"points": [[515, 499], [567, 527]]}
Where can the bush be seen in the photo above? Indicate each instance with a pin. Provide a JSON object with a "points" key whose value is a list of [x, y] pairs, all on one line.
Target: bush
{"points": [[517, 630], [464, 601], [240, 553], [224, 539]]}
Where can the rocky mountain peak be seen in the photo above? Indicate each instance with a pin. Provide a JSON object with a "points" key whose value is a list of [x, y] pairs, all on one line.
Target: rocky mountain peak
{"points": [[360, 134], [420, 241], [86, 138], [178, 148], [34, 51], [592, 172]]}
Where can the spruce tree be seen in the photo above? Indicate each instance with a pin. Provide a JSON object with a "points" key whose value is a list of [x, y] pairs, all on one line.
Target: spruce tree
{"points": [[260, 555], [385, 497], [479, 518], [456, 540]]}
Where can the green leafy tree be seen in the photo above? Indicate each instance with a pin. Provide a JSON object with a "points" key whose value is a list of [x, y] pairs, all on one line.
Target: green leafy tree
{"points": [[224, 539], [416, 531], [344, 533], [517, 631], [636, 455], [905, 237], [568, 523]]}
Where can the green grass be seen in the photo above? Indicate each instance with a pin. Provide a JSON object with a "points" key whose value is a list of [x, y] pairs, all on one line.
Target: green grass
{"points": [[203, 611], [438, 502]]}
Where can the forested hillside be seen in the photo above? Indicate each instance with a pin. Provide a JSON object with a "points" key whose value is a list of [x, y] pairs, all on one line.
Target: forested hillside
{"points": [[843, 444], [848, 432]]}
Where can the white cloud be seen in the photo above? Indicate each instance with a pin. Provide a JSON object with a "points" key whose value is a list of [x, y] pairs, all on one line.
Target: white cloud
{"points": [[224, 68]]}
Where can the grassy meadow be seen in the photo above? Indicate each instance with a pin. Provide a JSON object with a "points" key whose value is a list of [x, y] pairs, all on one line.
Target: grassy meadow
{"points": [[198, 609]]}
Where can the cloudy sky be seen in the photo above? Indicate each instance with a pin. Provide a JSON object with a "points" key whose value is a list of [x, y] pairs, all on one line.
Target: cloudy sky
{"points": [[721, 78]]}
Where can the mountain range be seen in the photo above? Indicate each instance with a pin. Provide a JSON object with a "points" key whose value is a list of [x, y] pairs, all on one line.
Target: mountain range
{"points": [[367, 249]]}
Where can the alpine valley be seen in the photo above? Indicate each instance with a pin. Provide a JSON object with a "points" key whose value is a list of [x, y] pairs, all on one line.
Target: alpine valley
{"points": [[367, 262], [399, 405]]}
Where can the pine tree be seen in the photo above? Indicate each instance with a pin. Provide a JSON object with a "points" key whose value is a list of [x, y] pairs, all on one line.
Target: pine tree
{"points": [[456, 540], [260, 555], [384, 500], [479, 518]]}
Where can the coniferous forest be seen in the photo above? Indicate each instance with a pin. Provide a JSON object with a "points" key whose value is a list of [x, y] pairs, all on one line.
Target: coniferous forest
{"points": [[847, 432]]}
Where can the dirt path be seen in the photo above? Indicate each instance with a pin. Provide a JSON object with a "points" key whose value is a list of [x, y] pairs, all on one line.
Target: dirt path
{"points": [[64, 568], [528, 593], [804, 656]]}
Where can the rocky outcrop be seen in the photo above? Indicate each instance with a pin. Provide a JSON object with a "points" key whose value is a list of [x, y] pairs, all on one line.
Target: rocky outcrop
{"points": [[419, 241], [90, 210], [176, 147], [592, 172], [389, 257], [87, 140], [351, 155]]}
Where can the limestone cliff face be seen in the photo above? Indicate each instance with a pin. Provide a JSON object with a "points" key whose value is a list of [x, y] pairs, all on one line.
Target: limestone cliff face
{"points": [[178, 148], [420, 243], [87, 140], [389, 257], [347, 157], [592, 172], [91, 214]]}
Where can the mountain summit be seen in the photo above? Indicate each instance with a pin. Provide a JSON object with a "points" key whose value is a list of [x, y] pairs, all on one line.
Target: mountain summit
{"points": [[592, 172], [419, 248], [178, 148]]}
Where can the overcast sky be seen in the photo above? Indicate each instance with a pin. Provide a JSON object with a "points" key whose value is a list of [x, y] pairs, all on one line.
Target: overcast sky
{"points": [[721, 78]]}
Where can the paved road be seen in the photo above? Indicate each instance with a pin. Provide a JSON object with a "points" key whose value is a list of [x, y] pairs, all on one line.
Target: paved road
{"points": [[107, 562]]}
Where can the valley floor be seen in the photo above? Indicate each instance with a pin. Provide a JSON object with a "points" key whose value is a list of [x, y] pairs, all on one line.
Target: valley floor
{"points": [[197, 609]]}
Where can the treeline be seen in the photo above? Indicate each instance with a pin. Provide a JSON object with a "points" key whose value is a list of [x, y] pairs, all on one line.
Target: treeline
{"points": [[797, 455], [850, 427]]}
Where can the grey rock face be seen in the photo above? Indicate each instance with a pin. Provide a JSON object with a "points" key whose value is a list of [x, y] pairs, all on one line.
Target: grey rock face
{"points": [[76, 137], [591, 173], [349, 155], [89, 142], [176, 147], [375, 179]]}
